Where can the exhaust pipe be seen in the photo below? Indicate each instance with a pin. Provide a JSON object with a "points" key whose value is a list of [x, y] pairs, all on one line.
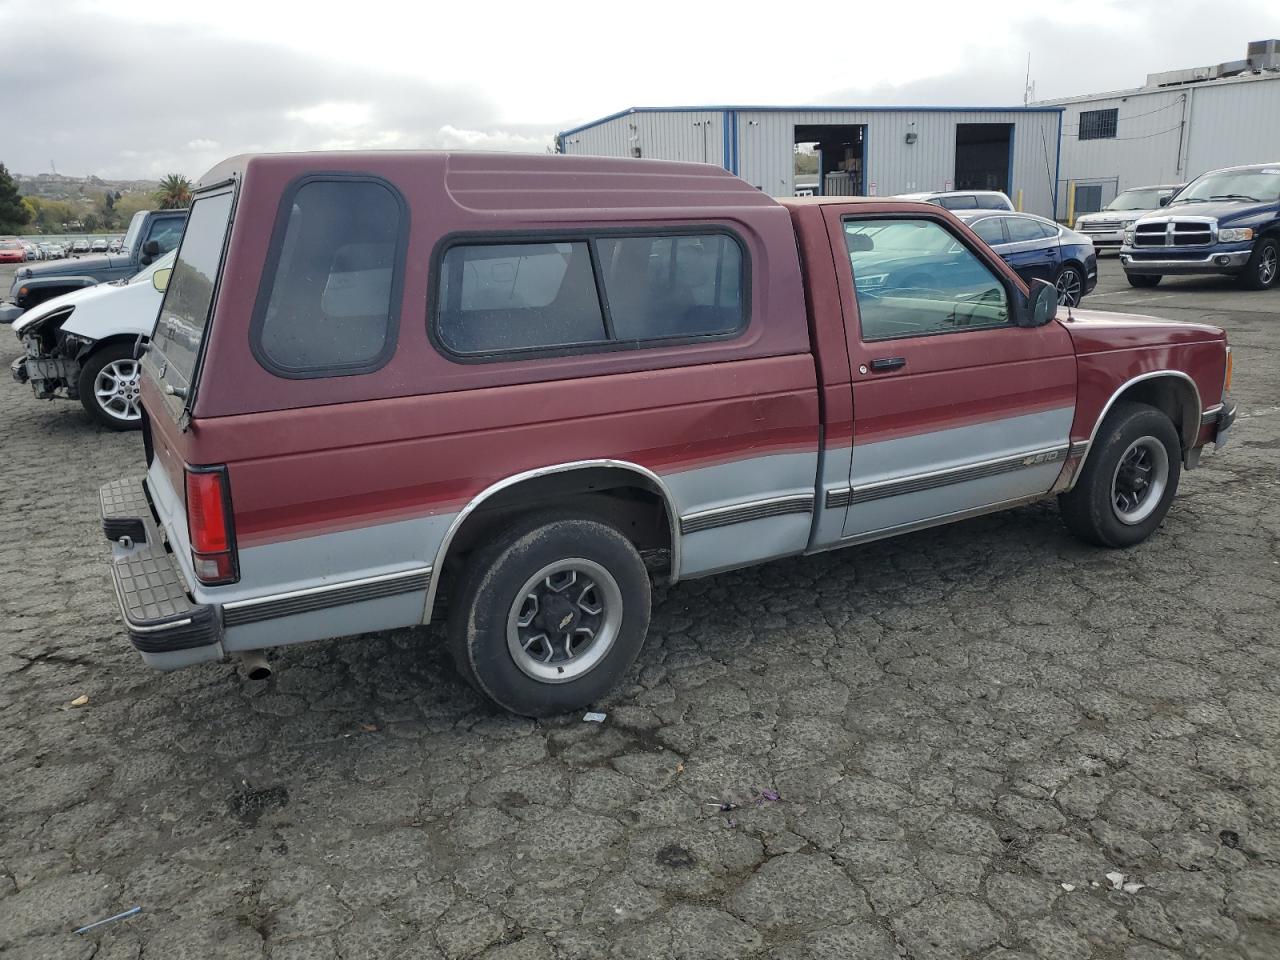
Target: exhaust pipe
{"points": [[254, 664]]}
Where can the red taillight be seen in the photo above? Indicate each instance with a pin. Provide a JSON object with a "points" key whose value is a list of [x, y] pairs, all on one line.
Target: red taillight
{"points": [[209, 523]]}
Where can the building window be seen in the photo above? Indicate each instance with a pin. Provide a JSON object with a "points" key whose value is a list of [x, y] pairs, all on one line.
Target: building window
{"points": [[1098, 124]]}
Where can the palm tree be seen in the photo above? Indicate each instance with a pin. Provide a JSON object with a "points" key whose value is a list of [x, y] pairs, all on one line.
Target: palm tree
{"points": [[174, 192]]}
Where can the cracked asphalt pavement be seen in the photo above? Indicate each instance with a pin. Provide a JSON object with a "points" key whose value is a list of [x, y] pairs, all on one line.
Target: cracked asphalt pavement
{"points": [[966, 731]]}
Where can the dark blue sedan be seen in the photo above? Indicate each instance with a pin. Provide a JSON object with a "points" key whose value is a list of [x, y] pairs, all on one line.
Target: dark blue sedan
{"points": [[1039, 249]]}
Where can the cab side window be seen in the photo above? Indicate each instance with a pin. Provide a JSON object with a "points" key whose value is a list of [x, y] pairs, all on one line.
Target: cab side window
{"points": [[329, 301], [914, 278], [605, 291], [166, 233], [1022, 229]]}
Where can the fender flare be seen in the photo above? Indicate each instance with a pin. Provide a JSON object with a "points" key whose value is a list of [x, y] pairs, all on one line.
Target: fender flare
{"points": [[641, 473], [1111, 401]]}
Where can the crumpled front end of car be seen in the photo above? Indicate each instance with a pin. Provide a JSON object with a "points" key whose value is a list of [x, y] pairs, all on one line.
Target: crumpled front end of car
{"points": [[51, 357]]}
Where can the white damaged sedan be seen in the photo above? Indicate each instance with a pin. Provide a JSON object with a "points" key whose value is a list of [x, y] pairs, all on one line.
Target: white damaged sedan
{"points": [[80, 346]]}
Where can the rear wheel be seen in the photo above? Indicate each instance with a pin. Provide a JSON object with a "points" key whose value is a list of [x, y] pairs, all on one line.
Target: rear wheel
{"points": [[1263, 268], [1070, 284], [109, 387], [550, 614], [1142, 279], [1129, 478]]}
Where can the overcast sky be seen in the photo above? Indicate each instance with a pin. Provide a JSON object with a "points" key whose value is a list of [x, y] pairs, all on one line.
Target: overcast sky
{"points": [[141, 89]]}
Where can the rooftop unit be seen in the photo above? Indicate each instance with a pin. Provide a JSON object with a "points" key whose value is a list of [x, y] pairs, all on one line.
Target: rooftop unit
{"points": [[1261, 55]]}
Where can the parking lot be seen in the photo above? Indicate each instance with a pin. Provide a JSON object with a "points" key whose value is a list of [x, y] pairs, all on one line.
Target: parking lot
{"points": [[937, 746]]}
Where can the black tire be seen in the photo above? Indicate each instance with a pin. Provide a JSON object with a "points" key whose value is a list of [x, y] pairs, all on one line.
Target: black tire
{"points": [[1263, 268], [1143, 279], [491, 584], [94, 365], [1090, 509], [1063, 282]]}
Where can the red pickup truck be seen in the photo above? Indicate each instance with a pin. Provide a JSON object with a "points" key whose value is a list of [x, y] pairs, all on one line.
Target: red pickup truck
{"points": [[543, 381]]}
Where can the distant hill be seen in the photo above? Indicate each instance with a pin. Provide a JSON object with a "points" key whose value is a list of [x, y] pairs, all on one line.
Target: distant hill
{"points": [[55, 186]]}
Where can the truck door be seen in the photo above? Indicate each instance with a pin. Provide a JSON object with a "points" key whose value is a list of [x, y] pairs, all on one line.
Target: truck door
{"points": [[955, 409]]}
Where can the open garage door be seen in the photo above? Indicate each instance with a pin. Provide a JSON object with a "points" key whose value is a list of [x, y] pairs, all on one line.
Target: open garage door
{"points": [[840, 151], [984, 156]]}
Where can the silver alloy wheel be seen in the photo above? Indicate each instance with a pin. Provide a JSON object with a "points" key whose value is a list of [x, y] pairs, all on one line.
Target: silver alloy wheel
{"points": [[1268, 264], [1069, 286], [564, 620], [1139, 482], [116, 388]]}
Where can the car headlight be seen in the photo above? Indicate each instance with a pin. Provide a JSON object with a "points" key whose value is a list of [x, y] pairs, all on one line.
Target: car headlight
{"points": [[1128, 223], [1128, 235], [1235, 234]]}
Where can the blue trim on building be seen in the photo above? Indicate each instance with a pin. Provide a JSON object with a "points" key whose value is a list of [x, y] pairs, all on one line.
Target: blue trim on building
{"points": [[1057, 169], [724, 141], [737, 162], [1008, 180], [791, 108]]}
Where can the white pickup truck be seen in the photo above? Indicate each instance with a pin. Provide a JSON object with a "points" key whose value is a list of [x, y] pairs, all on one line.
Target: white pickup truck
{"points": [[80, 346]]}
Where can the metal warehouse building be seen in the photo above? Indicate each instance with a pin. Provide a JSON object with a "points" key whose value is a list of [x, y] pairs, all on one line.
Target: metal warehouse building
{"points": [[1174, 128], [869, 151]]}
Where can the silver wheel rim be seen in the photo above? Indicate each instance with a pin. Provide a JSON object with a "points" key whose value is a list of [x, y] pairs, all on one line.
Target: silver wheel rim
{"points": [[1267, 265], [1139, 481], [564, 620], [116, 389], [1069, 287]]}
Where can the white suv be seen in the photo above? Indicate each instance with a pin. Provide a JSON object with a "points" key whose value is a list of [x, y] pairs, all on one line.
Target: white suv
{"points": [[1106, 227]]}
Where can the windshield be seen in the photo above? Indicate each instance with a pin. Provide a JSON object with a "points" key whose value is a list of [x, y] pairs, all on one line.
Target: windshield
{"points": [[144, 275], [135, 227], [1259, 186], [1138, 200], [188, 299]]}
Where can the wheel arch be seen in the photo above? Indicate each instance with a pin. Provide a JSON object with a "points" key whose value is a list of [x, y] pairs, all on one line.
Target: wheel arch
{"points": [[1171, 391], [542, 487]]}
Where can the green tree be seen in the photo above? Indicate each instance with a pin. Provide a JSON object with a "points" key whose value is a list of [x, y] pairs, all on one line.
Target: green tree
{"points": [[13, 213], [174, 192]]}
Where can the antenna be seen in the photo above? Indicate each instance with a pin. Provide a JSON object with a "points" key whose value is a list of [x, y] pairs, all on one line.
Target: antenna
{"points": [[1028, 88]]}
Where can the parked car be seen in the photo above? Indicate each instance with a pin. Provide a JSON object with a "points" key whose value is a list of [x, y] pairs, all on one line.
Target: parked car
{"points": [[80, 245], [99, 245], [31, 250], [80, 346], [1040, 249], [151, 233], [12, 251], [1224, 222], [627, 368], [963, 199], [1106, 227]]}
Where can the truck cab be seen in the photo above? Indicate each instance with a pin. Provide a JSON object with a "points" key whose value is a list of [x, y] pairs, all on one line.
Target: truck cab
{"points": [[151, 234], [546, 382]]}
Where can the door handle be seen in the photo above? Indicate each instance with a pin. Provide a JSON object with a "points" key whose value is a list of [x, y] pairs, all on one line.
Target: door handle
{"points": [[888, 363]]}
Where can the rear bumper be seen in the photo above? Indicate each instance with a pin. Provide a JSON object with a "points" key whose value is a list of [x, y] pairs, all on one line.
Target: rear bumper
{"points": [[164, 625]]}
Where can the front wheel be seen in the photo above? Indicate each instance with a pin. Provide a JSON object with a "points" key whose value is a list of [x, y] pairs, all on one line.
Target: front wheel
{"points": [[109, 387], [1129, 478], [1143, 279], [550, 615], [1070, 284], [1263, 268]]}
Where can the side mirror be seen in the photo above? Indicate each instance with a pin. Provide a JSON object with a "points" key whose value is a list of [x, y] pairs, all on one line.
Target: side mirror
{"points": [[1164, 201], [151, 248], [1040, 307], [160, 279], [859, 242]]}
